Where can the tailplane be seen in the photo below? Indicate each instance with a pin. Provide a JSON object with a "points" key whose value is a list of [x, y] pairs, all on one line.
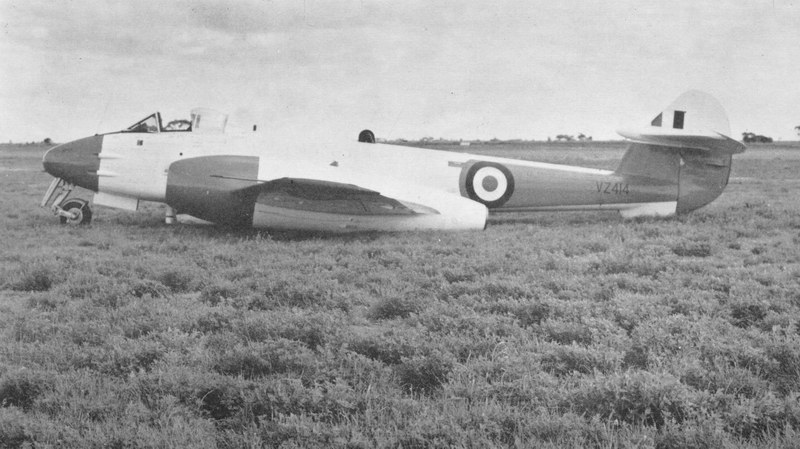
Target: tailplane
{"points": [[686, 144]]}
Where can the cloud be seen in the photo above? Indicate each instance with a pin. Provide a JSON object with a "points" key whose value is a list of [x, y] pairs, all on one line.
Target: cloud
{"points": [[506, 69]]}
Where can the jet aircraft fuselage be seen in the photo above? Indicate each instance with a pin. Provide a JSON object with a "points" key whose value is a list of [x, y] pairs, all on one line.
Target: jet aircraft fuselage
{"points": [[259, 180]]}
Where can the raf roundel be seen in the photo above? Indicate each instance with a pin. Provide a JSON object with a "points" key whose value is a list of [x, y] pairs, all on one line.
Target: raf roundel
{"points": [[489, 183]]}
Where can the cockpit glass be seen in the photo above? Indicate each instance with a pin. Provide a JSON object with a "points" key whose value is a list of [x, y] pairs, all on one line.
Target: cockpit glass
{"points": [[178, 125], [151, 124]]}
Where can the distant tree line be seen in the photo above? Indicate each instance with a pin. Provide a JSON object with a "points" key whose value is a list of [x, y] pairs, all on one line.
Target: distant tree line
{"points": [[46, 141], [570, 138]]}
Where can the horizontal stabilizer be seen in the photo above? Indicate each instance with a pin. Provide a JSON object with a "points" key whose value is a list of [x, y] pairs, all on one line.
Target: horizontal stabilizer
{"points": [[701, 140], [694, 120]]}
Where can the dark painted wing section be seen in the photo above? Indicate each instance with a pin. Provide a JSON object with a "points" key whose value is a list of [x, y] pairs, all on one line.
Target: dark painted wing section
{"points": [[214, 188], [76, 162], [327, 197]]}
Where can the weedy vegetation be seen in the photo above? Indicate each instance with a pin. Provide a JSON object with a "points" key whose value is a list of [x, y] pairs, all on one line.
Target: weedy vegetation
{"points": [[545, 330]]}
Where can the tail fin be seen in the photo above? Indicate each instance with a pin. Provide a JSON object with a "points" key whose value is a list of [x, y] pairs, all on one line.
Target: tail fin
{"points": [[686, 144]]}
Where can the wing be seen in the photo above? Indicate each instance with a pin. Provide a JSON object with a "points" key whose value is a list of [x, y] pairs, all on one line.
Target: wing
{"points": [[238, 190], [332, 198]]}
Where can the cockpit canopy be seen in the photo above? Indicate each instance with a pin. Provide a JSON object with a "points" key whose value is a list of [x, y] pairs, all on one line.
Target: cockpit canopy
{"points": [[203, 120], [149, 124]]}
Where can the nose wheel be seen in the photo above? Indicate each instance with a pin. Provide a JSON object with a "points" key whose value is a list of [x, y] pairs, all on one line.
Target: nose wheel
{"points": [[73, 211]]}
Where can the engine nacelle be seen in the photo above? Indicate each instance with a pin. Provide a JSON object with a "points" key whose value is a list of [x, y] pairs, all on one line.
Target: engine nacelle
{"points": [[214, 188]]}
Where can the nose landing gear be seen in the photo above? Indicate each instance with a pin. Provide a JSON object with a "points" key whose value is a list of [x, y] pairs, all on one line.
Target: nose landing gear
{"points": [[74, 211]]}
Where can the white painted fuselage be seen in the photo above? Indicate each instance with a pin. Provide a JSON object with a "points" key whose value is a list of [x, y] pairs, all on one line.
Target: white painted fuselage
{"points": [[679, 162], [137, 165]]}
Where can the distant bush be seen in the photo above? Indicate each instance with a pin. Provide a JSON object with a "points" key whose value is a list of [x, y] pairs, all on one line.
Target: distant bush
{"points": [[659, 340], [562, 360], [642, 266], [45, 301], [145, 287], [31, 329], [36, 278], [262, 359], [139, 319], [216, 293], [785, 372], [423, 374], [748, 137], [12, 428], [565, 332], [313, 329], [386, 348], [697, 434], [107, 291], [762, 416], [634, 397], [396, 307], [178, 281], [219, 400], [246, 364], [299, 294], [454, 276], [727, 380], [21, 388], [120, 358], [636, 357], [212, 321], [746, 312], [85, 285]]}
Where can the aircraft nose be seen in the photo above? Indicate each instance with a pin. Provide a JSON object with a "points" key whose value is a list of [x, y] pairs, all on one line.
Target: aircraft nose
{"points": [[76, 162]]}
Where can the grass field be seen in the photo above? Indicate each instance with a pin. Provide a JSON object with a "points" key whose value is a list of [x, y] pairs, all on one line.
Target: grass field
{"points": [[545, 330]]}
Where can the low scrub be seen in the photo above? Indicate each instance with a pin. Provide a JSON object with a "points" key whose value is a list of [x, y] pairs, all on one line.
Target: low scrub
{"points": [[255, 360], [34, 278], [423, 374], [635, 397], [21, 387], [545, 330], [563, 360]]}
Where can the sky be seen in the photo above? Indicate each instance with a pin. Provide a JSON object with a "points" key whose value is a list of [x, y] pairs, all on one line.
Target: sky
{"points": [[405, 69]]}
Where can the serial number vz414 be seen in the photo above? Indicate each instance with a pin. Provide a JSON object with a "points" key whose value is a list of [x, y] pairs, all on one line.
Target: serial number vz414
{"points": [[612, 188]]}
